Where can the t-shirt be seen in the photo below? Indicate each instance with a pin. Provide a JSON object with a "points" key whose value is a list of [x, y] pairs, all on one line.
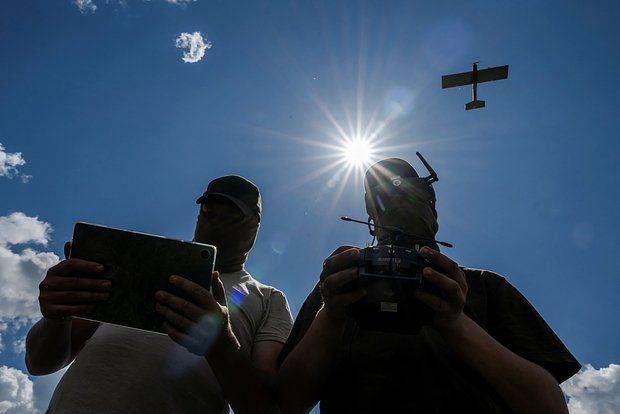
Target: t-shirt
{"points": [[124, 370], [387, 372]]}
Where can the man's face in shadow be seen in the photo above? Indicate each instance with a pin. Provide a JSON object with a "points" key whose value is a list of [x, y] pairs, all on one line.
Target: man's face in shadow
{"points": [[409, 209], [222, 223], [215, 216], [221, 211]]}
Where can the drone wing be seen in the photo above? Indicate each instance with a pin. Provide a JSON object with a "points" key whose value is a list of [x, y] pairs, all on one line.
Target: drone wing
{"points": [[457, 79], [467, 78], [493, 74]]}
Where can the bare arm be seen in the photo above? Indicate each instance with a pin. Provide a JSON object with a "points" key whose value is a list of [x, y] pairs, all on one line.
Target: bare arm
{"points": [[525, 386], [53, 344], [306, 368], [248, 384], [203, 328], [70, 288]]}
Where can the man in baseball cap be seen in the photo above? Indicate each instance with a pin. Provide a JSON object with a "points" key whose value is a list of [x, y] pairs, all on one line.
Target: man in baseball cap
{"points": [[241, 191], [229, 337], [241, 326], [229, 217]]}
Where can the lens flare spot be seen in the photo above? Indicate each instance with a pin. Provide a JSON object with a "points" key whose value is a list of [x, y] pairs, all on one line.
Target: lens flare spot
{"points": [[236, 297]]}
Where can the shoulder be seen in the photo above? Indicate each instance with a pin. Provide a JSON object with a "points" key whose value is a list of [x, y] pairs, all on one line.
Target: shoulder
{"points": [[488, 280], [262, 289], [488, 293], [271, 300], [483, 274], [273, 322]]}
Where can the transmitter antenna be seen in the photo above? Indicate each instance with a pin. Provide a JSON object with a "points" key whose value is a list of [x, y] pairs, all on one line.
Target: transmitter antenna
{"points": [[396, 229]]}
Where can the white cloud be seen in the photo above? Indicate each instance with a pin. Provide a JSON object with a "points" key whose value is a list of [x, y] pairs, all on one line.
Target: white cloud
{"points": [[194, 44], [19, 345], [180, 2], [9, 164], [594, 391], [85, 6], [16, 394], [18, 228], [21, 271]]}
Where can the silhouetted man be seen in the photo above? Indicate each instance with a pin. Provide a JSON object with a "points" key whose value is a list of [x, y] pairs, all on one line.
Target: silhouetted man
{"points": [[233, 348], [487, 350]]}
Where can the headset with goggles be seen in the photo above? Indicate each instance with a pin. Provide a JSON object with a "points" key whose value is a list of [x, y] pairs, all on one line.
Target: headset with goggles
{"points": [[377, 194]]}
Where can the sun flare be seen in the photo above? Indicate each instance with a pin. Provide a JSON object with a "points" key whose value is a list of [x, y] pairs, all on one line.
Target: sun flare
{"points": [[358, 152]]}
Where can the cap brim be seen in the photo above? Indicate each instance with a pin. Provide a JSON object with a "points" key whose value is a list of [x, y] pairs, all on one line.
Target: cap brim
{"points": [[242, 206]]}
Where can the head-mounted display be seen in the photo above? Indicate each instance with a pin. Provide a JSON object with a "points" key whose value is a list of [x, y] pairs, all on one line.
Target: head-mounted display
{"points": [[393, 177]]}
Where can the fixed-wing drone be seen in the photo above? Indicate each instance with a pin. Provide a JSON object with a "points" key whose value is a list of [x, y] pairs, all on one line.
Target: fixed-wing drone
{"points": [[474, 78]]}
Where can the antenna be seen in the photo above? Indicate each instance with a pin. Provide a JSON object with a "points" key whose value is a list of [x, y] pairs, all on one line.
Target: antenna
{"points": [[433, 177], [395, 230]]}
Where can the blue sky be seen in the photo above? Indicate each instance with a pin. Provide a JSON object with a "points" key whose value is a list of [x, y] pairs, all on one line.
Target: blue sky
{"points": [[116, 129]]}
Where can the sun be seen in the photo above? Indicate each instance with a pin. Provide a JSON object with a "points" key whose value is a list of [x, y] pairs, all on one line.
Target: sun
{"points": [[357, 152]]}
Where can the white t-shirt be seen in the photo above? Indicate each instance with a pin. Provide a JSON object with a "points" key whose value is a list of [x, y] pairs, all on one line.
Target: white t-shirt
{"points": [[124, 370]]}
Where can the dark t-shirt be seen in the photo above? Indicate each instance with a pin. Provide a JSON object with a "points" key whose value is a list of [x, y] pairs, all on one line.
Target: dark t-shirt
{"points": [[383, 372]]}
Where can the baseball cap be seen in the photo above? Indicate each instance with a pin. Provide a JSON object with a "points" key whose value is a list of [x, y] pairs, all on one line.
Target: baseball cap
{"points": [[241, 191]]}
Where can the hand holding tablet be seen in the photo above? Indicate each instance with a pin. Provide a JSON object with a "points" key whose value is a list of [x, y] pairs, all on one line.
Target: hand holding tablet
{"points": [[137, 265]]}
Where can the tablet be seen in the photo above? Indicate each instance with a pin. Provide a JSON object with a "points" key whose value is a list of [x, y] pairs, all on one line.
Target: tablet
{"points": [[139, 265]]}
